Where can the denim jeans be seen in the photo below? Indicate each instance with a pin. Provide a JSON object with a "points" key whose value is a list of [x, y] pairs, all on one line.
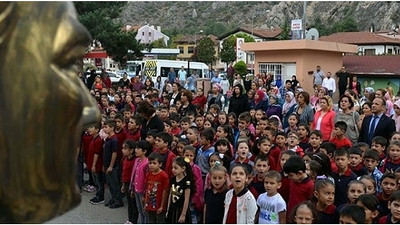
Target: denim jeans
{"points": [[139, 204], [100, 180], [114, 186]]}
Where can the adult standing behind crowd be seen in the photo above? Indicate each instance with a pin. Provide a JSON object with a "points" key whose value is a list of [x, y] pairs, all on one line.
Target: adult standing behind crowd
{"points": [[171, 76], [106, 78], [377, 124], [124, 81], [303, 109], [230, 72], [182, 74], [329, 83], [259, 101], [349, 116], [344, 80], [215, 97], [318, 76], [238, 103], [176, 94], [324, 118], [150, 120], [287, 108], [186, 100]]}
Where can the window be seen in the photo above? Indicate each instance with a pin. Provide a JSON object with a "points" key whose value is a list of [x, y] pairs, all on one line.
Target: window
{"points": [[143, 34], [191, 49], [369, 52], [275, 69], [390, 51], [181, 50], [149, 34]]}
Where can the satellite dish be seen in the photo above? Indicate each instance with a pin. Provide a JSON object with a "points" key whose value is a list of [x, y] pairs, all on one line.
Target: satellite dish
{"points": [[312, 34]]}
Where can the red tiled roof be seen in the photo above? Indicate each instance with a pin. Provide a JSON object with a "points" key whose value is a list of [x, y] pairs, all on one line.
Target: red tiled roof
{"points": [[272, 33], [372, 65], [134, 28], [358, 38], [191, 39]]}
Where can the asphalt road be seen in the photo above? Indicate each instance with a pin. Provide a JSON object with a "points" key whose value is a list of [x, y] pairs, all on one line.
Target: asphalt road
{"points": [[93, 214]]}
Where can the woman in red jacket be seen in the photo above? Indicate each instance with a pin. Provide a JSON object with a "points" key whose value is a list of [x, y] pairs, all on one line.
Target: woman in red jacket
{"points": [[324, 118]]}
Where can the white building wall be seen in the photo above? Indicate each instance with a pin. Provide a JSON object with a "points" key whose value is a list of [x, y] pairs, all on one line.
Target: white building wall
{"points": [[148, 34]]}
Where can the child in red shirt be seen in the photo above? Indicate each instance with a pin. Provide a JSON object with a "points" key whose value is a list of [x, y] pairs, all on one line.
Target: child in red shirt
{"points": [[338, 137]]}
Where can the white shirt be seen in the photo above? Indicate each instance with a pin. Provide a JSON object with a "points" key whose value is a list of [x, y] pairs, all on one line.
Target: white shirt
{"points": [[330, 84], [270, 207]]}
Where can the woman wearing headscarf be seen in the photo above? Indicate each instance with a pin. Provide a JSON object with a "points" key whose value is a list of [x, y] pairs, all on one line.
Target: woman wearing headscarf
{"points": [[215, 97], [274, 107], [367, 92], [259, 101], [288, 108], [238, 103], [396, 115]]}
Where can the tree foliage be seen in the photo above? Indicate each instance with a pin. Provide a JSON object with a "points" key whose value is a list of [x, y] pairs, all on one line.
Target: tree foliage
{"points": [[100, 18], [228, 53], [240, 68], [285, 35], [205, 51]]}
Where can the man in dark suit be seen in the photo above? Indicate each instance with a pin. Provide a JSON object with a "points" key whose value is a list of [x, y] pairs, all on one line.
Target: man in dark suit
{"points": [[377, 124]]}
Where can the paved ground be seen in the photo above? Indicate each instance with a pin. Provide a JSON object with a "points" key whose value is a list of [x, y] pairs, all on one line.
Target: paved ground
{"points": [[93, 214]]}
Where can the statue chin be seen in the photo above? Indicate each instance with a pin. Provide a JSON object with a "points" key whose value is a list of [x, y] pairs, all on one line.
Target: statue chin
{"points": [[44, 109]]}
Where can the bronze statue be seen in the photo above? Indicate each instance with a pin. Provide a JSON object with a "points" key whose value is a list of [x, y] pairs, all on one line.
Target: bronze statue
{"points": [[43, 109]]}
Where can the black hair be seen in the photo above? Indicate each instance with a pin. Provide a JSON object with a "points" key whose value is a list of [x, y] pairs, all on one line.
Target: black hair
{"points": [[294, 164], [318, 133], [180, 161], [137, 119], [130, 143], [323, 183], [361, 145], [329, 146], [109, 122], [156, 156], [174, 117], [395, 196], [355, 151], [246, 167], [341, 152], [145, 146], [189, 148], [225, 142], [228, 129], [323, 160], [208, 134], [341, 125], [152, 133], [166, 137], [355, 212], [186, 120], [306, 126], [350, 100], [389, 175], [245, 116], [380, 140], [261, 158], [370, 202]]}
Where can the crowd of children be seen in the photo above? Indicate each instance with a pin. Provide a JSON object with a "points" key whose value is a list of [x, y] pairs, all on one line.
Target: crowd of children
{"points": [[216, 167]]}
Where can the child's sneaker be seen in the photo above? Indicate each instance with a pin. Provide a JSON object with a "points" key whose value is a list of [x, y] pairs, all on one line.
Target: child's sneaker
{"points": [[128, 222], [96, 200], [91, 189], [116, 205]]}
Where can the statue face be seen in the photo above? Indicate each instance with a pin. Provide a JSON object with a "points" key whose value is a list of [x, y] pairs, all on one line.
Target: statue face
{"points": [[46, 107]]}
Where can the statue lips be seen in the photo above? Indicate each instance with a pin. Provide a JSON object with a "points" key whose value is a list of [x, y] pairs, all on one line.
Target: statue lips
{"points": [[44, 108]]}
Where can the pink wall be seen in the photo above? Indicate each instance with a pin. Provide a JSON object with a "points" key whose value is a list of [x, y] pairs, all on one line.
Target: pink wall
{"points": [[306, 60]]}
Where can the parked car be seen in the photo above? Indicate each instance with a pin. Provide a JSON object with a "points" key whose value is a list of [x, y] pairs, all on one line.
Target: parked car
{"points": [[114, 77]]}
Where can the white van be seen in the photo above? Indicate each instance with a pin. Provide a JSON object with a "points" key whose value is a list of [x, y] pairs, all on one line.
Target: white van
{"points": [[157, 67]]}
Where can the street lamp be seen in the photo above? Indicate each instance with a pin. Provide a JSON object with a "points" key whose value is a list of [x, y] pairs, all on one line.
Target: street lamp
{"points": [[195, 39]]}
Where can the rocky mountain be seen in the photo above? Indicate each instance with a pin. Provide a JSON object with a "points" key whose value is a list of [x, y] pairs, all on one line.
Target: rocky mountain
{"points": [[218, 17]]}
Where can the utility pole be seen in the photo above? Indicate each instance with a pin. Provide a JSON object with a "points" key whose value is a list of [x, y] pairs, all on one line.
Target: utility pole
{"points": [[304, 20]]}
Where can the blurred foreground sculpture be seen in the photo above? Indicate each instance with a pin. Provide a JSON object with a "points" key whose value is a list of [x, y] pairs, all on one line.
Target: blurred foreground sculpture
{"points": [[44, 107]]}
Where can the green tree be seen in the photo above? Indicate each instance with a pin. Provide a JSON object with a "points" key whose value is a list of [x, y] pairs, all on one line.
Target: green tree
{"points": [[205, 51], [240, 68], [100, 18], [285, 35], [247, 38], [347, 25], [228, 53]]}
